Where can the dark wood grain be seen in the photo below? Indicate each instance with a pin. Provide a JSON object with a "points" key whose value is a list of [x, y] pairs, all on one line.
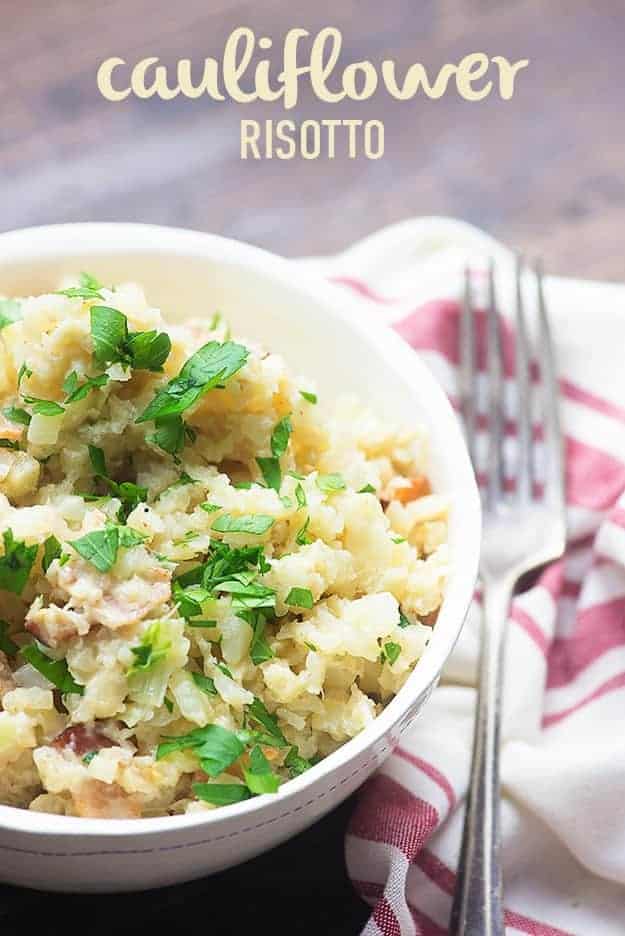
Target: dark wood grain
{"points": [[544, 172]]}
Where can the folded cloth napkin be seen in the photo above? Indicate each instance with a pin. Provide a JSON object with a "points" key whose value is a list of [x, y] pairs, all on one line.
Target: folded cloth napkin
{"points": [[563, 738]]}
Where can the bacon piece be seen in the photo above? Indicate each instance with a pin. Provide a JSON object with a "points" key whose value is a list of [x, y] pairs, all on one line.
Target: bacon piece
{"points": [[81, 739]]}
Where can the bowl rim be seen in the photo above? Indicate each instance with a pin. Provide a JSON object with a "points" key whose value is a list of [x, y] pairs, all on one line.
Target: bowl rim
{"points": [[109, 238]]}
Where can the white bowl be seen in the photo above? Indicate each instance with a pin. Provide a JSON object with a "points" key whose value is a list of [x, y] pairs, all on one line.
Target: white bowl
{"points": [[327, 336]]}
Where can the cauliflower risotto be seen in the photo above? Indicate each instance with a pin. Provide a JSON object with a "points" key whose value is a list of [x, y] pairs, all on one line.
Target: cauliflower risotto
{"points": [[211, 576]]}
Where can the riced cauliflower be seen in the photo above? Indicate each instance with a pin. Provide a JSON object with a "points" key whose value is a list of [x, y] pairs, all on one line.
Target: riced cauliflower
{"points": [[210, 578]]}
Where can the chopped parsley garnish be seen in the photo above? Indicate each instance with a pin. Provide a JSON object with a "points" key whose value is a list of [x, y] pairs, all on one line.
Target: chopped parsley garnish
{"points": [[169, 705], [51, 550], [391, 651], [224, 669], [245, 523], [398, 539], [202, 624], [259, 776], [6, 644], [10, 444], [190, 599], [100, 547], [295, 763], [210, 508], [216, 747], [78, 391], [127, 492], [44, 407], [148, 350], [17, 415], [151, 649], [300, 598], [367, 489], [271, 471], [403, 620], [55, 671], [24, 371], [213, 364], [310, 397], [10, 311], [330, 483], [280, 436], [248, 595], [16, 563], [89, 757], [300, 495], [260, 651], [88, 281], [169, 434], [205, 683], [114, 344], [109, 333], [302, 538], [80, 292], [221, 794], [258, 713]]}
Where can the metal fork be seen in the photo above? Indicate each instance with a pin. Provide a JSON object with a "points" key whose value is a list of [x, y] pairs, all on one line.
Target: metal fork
{"points": [[521, 531]]}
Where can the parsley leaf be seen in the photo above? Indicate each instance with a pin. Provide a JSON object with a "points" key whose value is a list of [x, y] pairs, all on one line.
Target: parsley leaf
{"points": [[260, 651], [216, 747], [17, 415], [24, 371], [330, 483], [16, 563], [245, 523], [80, 292], [367, 489], [280, 437], [300, 495], [148, 350], [295, 763], [391, 651], [109, 332], [300, 598], [221, 794], [213, 364], [210, 508], [302, 538], [190, 599], [51, 550], [271, 472], [6, 644], [205, 683], [403, 620], [88, 281], [257, 712], [151, 649], [99, 547], [310, 397], [259, 776], [44, 407], [10, 311], [129, 494], [56, 671], [76, 391], [169, 434]]}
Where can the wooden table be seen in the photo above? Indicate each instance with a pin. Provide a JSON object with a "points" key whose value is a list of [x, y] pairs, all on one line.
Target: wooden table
{"points": [[544, 172]]}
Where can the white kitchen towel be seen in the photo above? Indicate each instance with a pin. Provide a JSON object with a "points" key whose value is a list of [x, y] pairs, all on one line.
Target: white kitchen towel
{"points": [[563, 754]]}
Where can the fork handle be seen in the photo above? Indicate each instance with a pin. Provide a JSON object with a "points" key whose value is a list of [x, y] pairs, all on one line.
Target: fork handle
{"points": [[478, 900]]}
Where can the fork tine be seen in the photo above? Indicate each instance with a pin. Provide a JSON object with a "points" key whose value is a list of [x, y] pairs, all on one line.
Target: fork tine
{"points": [[495, 387], [524, 417], [467, 366], [554, 448]]}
